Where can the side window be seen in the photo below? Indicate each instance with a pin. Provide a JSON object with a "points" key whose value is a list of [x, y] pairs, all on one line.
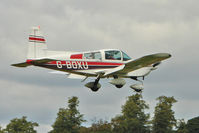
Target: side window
{"points": [[97, 55], [125, 57], [93, 55], [113, 55]]}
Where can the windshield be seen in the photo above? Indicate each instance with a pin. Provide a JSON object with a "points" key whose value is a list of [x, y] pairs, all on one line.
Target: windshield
{"points": [[125, 56], [113, 55]]}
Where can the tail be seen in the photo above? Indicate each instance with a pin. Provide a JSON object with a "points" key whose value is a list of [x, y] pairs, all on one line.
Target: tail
{"points": [[37, 44], [36, 49]]}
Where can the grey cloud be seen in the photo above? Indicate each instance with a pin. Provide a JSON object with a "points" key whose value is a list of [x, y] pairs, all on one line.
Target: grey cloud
{"points": [[137, 27], [142, 10]]}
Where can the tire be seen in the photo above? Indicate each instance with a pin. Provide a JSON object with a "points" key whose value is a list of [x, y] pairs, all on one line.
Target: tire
{"points": [[94, 88], [119, 86]]}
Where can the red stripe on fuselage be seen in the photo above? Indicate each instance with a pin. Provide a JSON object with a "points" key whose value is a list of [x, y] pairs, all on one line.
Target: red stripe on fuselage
{"points": [[90, 63], [28, 61]]}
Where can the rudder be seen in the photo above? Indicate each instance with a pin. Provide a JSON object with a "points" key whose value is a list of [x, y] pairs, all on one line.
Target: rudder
{"points": [[37, 44]]}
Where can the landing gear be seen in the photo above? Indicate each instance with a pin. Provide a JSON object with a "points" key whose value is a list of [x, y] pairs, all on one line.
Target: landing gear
{"points": [[119, 86], [118, 82], [137, 87], [94, 86]]}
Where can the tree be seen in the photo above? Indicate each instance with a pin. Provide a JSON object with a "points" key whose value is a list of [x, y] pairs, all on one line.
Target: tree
{"points": [[133, 118], [100, 126], [181, 127], [1, 130], [83, 129], [68, 120], [193, 125], [164, 119], [21, 126]]}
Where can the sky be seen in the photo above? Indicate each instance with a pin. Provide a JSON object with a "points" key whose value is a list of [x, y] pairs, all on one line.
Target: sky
{"points": [[137, 27]]}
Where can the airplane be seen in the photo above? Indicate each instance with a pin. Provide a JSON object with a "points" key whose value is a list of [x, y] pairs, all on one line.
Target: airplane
{"points": [[105, 63]]}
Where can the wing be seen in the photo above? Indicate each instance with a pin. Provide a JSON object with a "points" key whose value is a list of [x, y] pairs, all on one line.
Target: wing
{"points": [[143, 62]]}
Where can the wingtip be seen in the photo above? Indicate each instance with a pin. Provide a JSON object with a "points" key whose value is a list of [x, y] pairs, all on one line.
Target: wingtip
{"points": [[163, 55], [24, 64], [15, 65]]}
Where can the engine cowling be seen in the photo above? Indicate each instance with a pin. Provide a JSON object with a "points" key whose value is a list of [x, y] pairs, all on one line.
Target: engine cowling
{"points": [[137, 87]]}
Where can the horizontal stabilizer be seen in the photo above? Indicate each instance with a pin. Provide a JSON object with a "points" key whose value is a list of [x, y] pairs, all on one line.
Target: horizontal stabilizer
{"points": [[24, 64], [32, 62], [40, 61]]}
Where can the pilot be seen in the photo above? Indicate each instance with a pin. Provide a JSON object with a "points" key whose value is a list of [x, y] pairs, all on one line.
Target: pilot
{"points": [[109, 56]]}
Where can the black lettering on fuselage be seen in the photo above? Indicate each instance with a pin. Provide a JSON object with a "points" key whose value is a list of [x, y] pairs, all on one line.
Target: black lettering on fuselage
{"points": [[77, 65]]}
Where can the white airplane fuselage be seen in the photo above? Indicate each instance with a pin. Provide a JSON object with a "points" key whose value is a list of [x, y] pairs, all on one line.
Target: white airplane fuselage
{"points": [[77, 63]]}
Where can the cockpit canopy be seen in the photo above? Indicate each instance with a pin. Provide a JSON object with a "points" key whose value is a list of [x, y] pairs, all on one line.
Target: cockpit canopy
{"points": [[116, 55], [93, 55], [112, 55]]}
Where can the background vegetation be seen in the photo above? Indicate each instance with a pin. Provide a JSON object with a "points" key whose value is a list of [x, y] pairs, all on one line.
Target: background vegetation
{"points": [[133, 119]]}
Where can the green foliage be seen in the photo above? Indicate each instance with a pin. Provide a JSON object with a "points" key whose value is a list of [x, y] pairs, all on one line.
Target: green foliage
{"points": [[83, 129], [164, 120], [1, 130], [181, 127], [100, 126], [68, 120], [21, 126], [133, 118], [193, 125]]}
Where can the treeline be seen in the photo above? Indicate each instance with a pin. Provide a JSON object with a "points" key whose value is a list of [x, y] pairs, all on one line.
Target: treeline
{"points": [[133, 119]]}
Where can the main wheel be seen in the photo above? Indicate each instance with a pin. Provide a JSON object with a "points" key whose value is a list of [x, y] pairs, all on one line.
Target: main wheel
{"points": [[137, 90], [119, 86], [94, 88]]}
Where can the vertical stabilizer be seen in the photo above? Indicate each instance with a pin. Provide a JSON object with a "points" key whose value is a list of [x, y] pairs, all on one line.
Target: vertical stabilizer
{"points": [[37, 44]]}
